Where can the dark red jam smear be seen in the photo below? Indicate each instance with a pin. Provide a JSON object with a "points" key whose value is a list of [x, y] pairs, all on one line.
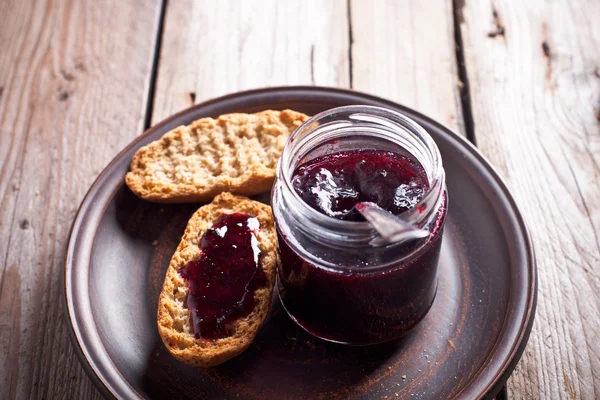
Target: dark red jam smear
{"points": [[334, 183], [222, 281]]}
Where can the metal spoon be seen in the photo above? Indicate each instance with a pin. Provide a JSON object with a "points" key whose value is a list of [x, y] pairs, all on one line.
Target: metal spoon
{"points": [[390, 228]]}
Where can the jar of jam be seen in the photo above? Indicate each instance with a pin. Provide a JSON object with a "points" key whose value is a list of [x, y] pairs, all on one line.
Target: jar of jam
{"points": [[332, 280]]}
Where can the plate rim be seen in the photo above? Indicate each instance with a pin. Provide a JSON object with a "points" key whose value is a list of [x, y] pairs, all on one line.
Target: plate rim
{"points": [[519, 335]]}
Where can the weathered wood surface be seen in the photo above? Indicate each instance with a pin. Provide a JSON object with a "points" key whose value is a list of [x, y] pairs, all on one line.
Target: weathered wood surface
{"points": [[74, 80], [403, 50], [534, 75], [209, 50]]}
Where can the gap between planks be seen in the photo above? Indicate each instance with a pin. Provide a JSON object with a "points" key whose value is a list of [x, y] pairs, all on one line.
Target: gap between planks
{"points": [[350, 41], [155, 60], [464, 93]]}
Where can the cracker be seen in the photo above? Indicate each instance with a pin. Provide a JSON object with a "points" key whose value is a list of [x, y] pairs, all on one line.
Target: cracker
{"points": [[174, 318], [235, 153]]}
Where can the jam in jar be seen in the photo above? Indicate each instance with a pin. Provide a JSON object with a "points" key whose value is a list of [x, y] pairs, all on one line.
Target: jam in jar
{"points": [[332, 281]]}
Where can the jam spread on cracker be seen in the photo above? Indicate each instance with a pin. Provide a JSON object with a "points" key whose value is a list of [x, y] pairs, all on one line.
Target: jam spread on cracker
{"points": [[223, 279]]}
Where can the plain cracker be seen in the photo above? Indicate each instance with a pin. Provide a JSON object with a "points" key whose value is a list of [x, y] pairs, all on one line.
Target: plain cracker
{"points": [[235, 153]]}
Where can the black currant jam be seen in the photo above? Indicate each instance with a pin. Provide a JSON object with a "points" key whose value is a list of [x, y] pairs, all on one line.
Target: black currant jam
{"points": [[332, 280], [334, 183], [223, 279], [361, 307]]}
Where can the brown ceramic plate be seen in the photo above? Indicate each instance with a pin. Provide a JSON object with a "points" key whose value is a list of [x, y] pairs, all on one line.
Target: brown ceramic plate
{"points": [[465, 348]]}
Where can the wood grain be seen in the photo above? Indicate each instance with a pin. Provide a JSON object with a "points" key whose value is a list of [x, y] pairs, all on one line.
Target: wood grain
{"points": [[403, 50], [74, 80], [208, 51], [533, 69]]}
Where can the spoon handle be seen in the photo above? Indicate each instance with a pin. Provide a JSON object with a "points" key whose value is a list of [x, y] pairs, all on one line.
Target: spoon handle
{"points": [[390, 228]]}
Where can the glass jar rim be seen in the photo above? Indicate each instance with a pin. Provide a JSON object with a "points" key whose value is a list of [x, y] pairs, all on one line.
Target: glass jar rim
{"points": [[377, 115]]}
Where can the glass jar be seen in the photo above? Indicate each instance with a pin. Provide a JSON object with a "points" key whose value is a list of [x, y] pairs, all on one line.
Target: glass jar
{"points": [[331, 281]]}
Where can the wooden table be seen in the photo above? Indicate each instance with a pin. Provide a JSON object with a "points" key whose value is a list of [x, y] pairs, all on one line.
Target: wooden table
{"points": [[81, 79]]}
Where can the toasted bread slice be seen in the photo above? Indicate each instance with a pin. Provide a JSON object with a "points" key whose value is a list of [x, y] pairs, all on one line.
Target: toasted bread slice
{"points": [[235, 153], [174, 318]]}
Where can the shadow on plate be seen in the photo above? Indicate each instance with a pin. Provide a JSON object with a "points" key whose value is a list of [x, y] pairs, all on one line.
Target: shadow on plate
{"points": [[282, 360]]}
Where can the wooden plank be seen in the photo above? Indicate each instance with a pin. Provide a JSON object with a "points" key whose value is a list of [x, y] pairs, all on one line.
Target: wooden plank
{"points": [[74, 80], [209, 50], [534, 74], [403, 50]]}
